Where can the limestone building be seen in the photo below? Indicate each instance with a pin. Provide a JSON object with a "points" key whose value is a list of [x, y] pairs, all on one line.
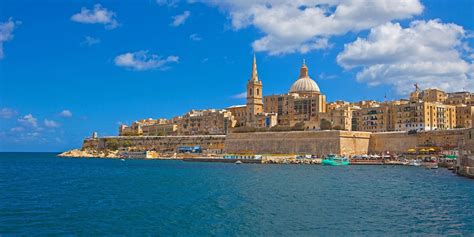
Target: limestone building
{"points": [[254, 96], [201, 122], [464, 116], [149, 127], [458, 98], [303, 103]]}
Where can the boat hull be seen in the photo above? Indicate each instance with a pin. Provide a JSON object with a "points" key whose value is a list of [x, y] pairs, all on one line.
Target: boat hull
{"points": [[334, 163]]}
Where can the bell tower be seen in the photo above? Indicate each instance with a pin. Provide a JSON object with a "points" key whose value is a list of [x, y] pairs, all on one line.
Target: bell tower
{"points": [[254, 95]]}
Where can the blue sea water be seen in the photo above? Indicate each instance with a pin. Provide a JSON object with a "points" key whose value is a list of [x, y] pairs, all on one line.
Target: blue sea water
{"points": [[41, 194]]}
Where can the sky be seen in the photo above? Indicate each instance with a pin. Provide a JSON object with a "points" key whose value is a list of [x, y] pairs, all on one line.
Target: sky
{"points": [[69, 68]]}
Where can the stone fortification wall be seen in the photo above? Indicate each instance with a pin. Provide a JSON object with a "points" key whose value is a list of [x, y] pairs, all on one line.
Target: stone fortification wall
{"points": [[354, 143], [209, 143], [298, 142], [295, 142], [400, 142]]}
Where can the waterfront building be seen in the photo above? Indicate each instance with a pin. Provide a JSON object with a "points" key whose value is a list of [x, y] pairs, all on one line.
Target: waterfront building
{"points": [[211, 121], [149, 127], [240, 114], [337, 117], [425, 116], [464, 116], [379, 118], [458, 98]]}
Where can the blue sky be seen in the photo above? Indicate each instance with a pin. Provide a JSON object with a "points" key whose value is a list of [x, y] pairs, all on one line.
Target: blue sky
{"points": [[68, 68]]}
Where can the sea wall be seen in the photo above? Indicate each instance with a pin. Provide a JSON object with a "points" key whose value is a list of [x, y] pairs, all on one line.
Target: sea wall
{"points": [[162, 144], [294, 142], [298, 142], [465, 165], [399, 142]]}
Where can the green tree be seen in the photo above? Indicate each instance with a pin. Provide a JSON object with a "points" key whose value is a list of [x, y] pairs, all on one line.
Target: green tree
{"points": [[325, 124]]}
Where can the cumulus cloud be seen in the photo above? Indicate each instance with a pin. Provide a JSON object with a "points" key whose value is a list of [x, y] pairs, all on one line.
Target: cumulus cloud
{"points": [[142, 60], [305, 25], [50, 123], [89, 41], [195, 37], [65, 113], [180, 19], [7, 113], [6, 32], [97, 15], [17, 129], [242, 95], [169, 3], [29, 121], [429, 53]]}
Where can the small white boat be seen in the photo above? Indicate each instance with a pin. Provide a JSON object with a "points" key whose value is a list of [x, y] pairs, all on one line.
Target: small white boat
{"points": [[414, 163], [122, 159], [238, 162]]}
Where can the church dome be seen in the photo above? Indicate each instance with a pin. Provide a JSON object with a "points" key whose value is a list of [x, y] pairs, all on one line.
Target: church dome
{"points": [[304, 84]]}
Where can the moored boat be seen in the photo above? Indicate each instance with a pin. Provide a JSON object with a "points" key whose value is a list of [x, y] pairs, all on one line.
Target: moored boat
{"points": [[334, 160], [414, 163]]}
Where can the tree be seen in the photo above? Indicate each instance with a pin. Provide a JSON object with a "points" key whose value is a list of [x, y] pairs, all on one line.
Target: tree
{"points": [[112, 144], [325, 124], [337, 127], [298, 126]]}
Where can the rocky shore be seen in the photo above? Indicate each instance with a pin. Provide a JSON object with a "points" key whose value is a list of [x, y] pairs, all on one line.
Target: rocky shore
{"points": [[88, 153]]}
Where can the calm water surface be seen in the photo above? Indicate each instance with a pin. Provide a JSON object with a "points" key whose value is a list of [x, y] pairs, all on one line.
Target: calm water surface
{"points": [[44, 195]]}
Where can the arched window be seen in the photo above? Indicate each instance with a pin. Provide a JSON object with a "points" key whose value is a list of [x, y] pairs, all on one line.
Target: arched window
{"points": [[250, 92], [258, 91]]}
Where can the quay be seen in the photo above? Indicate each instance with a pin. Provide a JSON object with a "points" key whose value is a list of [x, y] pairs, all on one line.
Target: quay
{"points": [[222, 160]]}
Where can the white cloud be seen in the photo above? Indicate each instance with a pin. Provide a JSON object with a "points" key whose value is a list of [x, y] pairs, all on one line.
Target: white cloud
{"points": [[89, 41], [66, 113], [97, 15], [141, 61], [180, 19], [429, 53], [305, 25], [17, 129], [169, 3], [195, 37], [50, 123], [28, 120], [7, 113], [6, 33], [242, 95]]}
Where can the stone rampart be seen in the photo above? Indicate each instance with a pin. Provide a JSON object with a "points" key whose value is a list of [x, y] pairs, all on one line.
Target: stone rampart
{"points": [[399, 142], [165, 144], [298, 142], [294, 142]]}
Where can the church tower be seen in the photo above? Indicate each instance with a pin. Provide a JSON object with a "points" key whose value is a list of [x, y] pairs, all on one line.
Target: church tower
{"points": [[254, 95]]}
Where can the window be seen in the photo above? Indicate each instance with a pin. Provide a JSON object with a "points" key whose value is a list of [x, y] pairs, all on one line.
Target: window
{"points": [[250, 92], [258, 91]]}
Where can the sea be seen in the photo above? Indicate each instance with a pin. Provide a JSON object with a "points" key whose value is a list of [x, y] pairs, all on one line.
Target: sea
{"points": [[41, 194]]}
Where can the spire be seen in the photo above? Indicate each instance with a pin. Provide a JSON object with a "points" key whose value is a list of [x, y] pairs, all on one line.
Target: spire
{"points": [[304, 70], [254, 69]]}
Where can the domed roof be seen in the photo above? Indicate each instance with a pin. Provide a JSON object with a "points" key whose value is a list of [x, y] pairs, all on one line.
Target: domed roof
{"points": [[304, 82]]}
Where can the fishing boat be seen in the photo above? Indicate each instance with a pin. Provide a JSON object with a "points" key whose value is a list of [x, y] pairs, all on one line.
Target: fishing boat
{"points": [[334, 160]]}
